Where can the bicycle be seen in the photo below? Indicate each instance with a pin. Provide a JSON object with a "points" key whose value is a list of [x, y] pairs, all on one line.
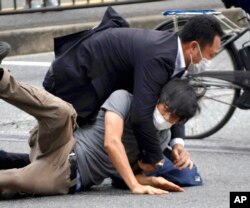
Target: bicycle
{"points": [[220, 89]]}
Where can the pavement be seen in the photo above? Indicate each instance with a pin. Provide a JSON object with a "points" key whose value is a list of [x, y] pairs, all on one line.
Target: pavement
{"points": [[222, 159], [224, 168]]}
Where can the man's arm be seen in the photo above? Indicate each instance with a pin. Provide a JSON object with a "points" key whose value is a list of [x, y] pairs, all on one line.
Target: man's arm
{"points": [[158, 182], [148, 82], [178, 131], [180, 155], [116, 151]]}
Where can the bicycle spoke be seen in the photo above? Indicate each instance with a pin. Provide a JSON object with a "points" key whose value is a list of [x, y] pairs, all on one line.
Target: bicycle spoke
{"points": [[220, 101]]}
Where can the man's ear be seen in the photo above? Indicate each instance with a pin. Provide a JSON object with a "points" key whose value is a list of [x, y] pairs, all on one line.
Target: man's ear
{"points": [[189, 47], [193, 45]]}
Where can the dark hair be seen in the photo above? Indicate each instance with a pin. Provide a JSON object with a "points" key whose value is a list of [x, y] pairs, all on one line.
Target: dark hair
{"points": [[201, 28], [181, 99]]}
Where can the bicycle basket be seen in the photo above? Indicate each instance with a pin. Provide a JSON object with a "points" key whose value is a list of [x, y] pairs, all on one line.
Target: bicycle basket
{"points": [[245, 55]]}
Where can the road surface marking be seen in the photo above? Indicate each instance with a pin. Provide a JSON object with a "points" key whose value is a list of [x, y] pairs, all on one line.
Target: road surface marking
{"points": [[26, 63]]}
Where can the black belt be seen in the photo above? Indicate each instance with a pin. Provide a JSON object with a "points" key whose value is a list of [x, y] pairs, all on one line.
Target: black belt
{"points": [[73, 172]]}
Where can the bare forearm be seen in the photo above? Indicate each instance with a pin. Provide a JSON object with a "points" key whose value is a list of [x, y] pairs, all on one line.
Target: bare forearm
{"points": [[158, 182], [119, 159], [116, 151], [144, 180]]}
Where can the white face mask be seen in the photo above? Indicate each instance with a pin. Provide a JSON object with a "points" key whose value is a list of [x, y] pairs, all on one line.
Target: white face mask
{"points": [[159, 121], [201, 66]]}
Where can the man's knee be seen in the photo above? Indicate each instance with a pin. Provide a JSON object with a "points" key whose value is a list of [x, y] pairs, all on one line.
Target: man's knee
{"points": [[65, 113], [60, 126]]}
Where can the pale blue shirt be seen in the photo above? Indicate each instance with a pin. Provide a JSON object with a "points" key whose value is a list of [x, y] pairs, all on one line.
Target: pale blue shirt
{"points": [[179, 67], [180, 61]]}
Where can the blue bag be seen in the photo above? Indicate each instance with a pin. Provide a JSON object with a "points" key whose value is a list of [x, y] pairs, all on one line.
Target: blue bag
{"points": [[184, 177]]}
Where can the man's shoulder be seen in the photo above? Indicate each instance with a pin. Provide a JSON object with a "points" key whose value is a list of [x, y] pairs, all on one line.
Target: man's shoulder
{"points": [[119, 102], [120, 96]]}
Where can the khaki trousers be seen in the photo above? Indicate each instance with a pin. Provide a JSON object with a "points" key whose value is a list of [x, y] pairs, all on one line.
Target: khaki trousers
{"points": [[50, 141]]}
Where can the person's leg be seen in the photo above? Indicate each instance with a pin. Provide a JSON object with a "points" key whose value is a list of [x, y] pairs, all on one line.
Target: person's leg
{"points": [[51, 141], [9, 160], [47, 176], [55, 117]]}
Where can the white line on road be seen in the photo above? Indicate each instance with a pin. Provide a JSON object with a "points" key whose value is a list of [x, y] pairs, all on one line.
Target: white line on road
{"points": [[224, 150], [26, 63], [13, 139]]}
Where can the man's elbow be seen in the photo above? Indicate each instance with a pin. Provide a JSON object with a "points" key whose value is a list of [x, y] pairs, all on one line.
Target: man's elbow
{"points": [[110, 143]]}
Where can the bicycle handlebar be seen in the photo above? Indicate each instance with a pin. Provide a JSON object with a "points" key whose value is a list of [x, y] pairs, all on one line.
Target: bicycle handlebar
{"points": [[190, 12]]}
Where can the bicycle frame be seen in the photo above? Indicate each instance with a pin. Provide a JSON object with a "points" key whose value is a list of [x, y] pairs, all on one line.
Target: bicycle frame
{"points": [[242, 81], [239, 80]]}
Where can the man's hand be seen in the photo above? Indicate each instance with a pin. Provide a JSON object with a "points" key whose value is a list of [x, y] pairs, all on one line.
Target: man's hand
{"points": [[163, 183], [181, 158], [147, 189], [158, 182]]}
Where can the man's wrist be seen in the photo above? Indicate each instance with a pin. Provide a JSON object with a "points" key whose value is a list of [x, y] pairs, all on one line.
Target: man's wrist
{"points": [[177, 141], [159, 164]]}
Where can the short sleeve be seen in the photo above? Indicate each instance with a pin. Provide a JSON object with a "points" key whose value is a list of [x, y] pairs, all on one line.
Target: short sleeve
{"points": [[118, 102]]}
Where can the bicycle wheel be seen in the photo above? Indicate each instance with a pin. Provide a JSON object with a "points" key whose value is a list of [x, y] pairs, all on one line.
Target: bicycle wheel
{"points": [[214, 114]]}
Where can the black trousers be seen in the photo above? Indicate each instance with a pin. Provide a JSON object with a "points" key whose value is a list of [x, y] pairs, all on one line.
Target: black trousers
{"points": [[9, 160]]}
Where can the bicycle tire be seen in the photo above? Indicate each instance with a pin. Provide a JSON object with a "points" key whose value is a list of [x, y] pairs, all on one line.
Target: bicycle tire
{"points": [[191, 126]]}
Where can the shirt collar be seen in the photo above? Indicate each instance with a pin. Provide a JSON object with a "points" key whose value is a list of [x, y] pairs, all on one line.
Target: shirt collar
{"points": [[180, 61]]}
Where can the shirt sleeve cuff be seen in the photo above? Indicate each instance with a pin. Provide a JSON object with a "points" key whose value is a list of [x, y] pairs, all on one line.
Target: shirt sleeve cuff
{"points": [[177, 141]]}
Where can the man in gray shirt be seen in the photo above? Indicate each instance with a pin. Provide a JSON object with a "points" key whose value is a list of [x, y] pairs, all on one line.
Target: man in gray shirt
{"points": [[104, 149], [93, 161], [96, 165]]}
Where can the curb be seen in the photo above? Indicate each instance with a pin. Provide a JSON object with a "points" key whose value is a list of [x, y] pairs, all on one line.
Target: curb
{"points": [[40, 39]]}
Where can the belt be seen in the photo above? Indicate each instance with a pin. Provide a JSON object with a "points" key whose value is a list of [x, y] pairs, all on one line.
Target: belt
{"points": [[73, 172]]}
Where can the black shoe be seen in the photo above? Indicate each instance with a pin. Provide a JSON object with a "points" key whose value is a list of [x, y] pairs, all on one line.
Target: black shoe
{"points": [[4, 50], [1, 74]]}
